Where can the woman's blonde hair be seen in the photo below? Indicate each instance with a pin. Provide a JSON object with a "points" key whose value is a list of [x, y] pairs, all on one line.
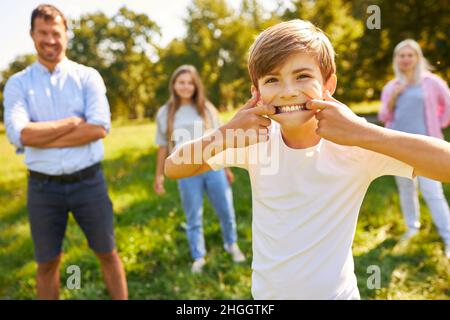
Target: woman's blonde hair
{"points": [[204, 108], [422, 64]]}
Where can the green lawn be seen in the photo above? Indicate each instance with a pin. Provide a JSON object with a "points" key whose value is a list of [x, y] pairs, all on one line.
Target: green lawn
{"points": [[154, 249]]}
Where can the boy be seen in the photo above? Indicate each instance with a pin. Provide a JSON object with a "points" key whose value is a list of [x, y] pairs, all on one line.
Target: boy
{"points": [[306, 189]]}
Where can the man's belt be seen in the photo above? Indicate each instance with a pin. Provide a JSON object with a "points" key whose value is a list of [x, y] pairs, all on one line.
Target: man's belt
{"points": [[78, 176]]}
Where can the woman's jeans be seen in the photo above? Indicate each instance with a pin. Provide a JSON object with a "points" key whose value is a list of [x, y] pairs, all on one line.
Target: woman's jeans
{"points": [[220, 195], [434, 197]]}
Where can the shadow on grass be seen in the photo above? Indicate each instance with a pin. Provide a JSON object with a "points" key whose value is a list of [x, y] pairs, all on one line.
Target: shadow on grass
{"points": [[152, 241], [11, 218], [414, 262], [384, 257], [13, 278]]}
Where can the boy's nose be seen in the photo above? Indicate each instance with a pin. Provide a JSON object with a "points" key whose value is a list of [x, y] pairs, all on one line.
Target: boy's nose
{"points": [[290, 92]]}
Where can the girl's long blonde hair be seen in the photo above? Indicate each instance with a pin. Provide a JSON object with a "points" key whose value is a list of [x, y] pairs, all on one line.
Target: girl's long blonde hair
{"points": [[204, 108], [422, 64]]}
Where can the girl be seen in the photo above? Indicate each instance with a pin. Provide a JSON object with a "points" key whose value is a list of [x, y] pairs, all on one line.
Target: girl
{"points": [[184, 117]]}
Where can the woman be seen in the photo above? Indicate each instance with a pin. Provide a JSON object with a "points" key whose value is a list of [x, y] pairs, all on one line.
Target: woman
{"points": [[418, 102], [184, 117]]}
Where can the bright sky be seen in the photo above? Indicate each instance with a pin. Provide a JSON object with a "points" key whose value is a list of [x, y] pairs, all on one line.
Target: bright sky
{"points": [[15, 18]]}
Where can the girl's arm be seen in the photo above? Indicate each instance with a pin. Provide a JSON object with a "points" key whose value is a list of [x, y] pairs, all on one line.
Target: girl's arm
{"points": [[158, 182]]}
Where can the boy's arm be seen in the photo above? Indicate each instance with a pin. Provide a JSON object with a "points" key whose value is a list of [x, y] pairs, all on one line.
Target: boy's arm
{"points": [[189, 159], [248, 126], [428, 156]]}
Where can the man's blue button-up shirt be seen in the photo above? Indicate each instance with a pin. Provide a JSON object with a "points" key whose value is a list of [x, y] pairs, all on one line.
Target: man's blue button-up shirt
{"points": [[35, 95]]}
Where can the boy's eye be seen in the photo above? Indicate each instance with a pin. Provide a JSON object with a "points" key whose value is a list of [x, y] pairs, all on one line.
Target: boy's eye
{"points": [[270, 80], [303, 76]]}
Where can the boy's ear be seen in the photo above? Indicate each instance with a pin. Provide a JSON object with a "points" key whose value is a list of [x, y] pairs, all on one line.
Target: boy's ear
{"points": [[331, 84], [254, 91]]}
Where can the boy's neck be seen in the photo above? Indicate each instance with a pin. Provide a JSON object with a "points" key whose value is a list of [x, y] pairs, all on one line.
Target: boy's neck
{"points": [[301, 137]]}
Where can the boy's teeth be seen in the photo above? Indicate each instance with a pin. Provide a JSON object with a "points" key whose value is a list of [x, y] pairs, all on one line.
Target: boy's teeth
{"points": [[291, 108]]}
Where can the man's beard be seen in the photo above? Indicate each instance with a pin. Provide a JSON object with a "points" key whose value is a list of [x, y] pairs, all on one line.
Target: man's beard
{"points": [[50, 57]]}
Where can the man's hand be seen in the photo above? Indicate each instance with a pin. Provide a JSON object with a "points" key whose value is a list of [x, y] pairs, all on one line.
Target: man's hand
{"points": [[336, 122], [249, 125], [76, 121], [158, 185]]}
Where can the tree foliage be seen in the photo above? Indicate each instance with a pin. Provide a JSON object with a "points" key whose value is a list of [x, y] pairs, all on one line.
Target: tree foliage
{"points": [[123, 48]]}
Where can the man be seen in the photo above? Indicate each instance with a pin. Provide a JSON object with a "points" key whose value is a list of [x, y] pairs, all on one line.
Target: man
{"points": [[57, 112]]}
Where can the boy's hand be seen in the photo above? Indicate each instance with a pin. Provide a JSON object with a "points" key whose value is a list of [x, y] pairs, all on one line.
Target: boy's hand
{"points": [[248, 126], [337, 123]]}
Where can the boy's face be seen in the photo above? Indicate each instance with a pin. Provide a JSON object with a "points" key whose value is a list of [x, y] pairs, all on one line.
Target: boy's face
{"points": [[290, 85]]}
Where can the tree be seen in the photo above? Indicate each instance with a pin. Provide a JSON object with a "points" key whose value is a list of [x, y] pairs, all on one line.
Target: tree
{"points": [[344, 32], [120, 48], [217, 43], [206, 23], [136, 71], [427, 22], [20, 63]]}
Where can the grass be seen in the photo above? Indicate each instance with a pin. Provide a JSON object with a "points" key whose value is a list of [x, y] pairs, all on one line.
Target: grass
{"points": [[365, 107], [154, 249]]}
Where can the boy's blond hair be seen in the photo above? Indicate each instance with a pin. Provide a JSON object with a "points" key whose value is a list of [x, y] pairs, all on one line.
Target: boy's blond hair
{"points": [[275, 44]]}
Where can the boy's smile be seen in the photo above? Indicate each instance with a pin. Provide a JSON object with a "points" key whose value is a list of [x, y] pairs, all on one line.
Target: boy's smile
{"points": [[290, 86], [290, 108]]}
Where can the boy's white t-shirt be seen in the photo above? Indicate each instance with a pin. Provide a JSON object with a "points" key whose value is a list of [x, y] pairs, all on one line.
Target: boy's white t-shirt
{"points": [[305, 209]]}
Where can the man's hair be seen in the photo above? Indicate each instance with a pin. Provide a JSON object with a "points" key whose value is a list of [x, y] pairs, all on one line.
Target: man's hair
{"points": [[48, 13], [274, 45]]}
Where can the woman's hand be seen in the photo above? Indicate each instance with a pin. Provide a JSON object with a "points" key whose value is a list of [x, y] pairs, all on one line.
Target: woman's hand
{"points": [[399, 88], [158, 185]]}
